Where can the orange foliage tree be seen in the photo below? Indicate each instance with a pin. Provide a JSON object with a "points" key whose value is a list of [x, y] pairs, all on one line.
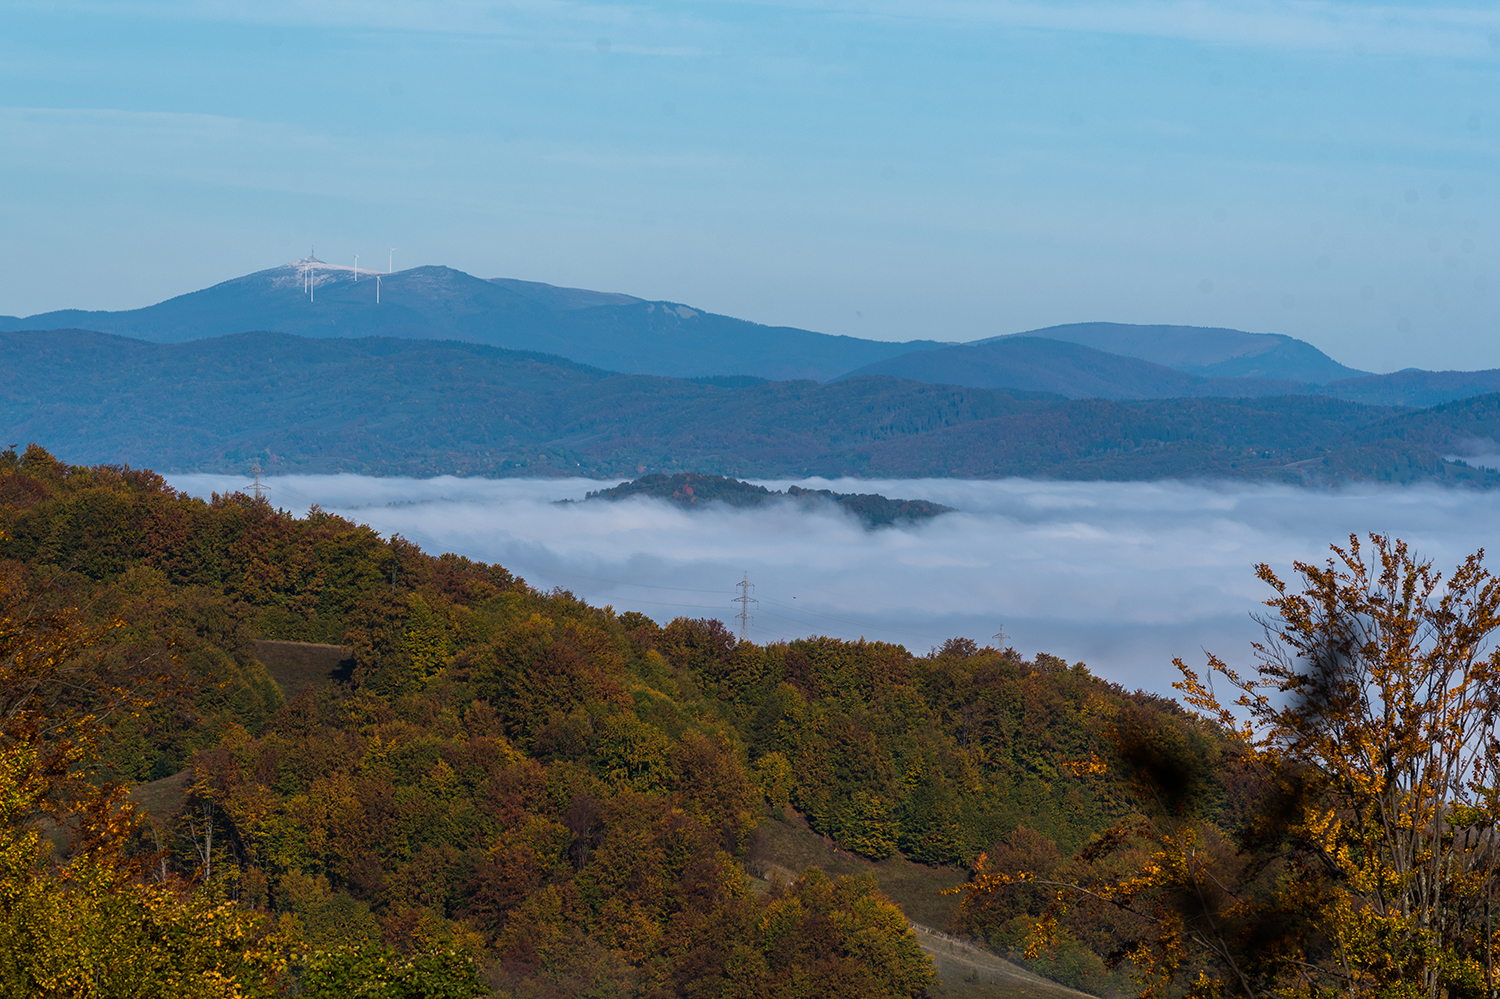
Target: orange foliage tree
{"points": [[1360, 859]]}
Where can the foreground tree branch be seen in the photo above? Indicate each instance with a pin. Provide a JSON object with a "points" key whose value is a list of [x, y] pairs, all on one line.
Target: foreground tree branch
{"points": [[1365, 861]]}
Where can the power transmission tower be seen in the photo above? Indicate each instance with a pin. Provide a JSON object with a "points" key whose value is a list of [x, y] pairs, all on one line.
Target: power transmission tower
{"points": [[258, 487], [745, 600]]}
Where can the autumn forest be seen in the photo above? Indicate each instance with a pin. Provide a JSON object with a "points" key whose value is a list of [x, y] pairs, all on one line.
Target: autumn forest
{"points": [[497, 791]]}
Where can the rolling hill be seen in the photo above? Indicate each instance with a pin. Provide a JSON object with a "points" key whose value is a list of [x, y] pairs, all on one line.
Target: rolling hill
{"points": [[696, 491], [408, 407], [1210, 352], [1415, 387], [1042, 364]]}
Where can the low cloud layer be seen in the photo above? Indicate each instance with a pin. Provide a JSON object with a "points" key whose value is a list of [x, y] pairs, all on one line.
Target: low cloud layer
{"points": [[1121, 576]]}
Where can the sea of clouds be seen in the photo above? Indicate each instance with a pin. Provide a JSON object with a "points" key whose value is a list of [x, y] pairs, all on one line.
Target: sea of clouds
{"points": [[1123, 576]]}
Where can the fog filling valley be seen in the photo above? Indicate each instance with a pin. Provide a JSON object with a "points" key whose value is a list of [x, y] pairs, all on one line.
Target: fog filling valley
{"points": [[1122, 576]]}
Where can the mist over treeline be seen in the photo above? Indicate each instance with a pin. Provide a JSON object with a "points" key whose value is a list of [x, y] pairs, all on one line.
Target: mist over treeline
{"points": [[1123, 576]]}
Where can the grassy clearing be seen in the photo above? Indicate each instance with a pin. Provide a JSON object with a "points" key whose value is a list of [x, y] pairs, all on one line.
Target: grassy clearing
{"points": [[161, 799], [791, 848], [294, 665], [787, 848]]}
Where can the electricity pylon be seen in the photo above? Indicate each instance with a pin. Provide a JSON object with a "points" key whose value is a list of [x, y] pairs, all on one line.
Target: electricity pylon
{"points": [[258, 487], [745, 600]]}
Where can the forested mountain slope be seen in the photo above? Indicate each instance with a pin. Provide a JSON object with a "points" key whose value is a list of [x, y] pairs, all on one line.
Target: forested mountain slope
{"points": [[1415, 387], [1040, 364], [567, 795], [393, 406]]}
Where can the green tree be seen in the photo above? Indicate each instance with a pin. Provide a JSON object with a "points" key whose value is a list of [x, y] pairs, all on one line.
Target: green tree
{"points": [[95, 923]]}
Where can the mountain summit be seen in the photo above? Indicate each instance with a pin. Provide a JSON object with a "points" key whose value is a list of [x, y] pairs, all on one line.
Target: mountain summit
{"points": [[623, 333], [1206, 351], [310, 297]]}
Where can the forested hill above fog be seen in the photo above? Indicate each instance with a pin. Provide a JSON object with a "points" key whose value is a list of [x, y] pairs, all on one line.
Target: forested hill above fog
{"points": [[392, 406], [694, 490]]}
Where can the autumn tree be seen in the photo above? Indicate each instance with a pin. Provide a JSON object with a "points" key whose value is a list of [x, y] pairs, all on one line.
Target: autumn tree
{"points": [[84, 910], [91, 923], [1360, 857]]}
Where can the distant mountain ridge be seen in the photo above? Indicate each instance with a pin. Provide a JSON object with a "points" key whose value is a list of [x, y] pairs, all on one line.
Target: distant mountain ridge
{"points": [[618, 332], [1206, 351], [612, 331], [391, 406], [625, 333], [1415, 387], [1042, 364], [1039, 362]]}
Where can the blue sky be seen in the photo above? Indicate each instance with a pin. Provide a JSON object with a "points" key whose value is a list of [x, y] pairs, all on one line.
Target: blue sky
{"points": [[888, 169]]}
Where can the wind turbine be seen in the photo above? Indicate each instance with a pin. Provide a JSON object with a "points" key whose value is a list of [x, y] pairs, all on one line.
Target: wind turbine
{"points": [[356, 268], [391, 262], [377, 289]]}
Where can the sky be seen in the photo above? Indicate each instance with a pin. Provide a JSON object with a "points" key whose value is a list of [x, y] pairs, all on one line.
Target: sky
{"points": [[894, 169], [1124, 577]]}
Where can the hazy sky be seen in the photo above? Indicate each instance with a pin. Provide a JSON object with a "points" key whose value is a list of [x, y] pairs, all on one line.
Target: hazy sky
{"points": [[1124, 576], [891, 169]]}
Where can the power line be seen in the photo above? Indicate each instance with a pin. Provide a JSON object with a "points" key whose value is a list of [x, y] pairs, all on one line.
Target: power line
{"points": [[664, 603], [829, 617], [435, 543], [744, 616], [535, 537], [901, 637], [561, 572], [862, 627]]}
